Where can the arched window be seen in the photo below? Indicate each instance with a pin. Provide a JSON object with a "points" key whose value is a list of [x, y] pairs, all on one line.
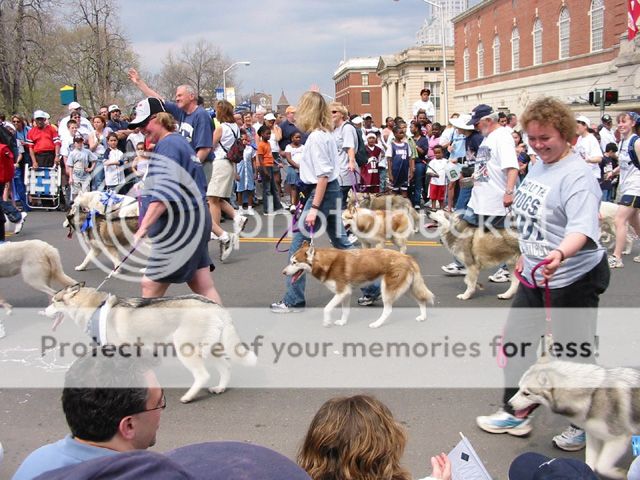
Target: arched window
{"points": [[597, 24], [515, 49], [537, 42], [465, 63], [480, 53], [496, 55], [563, 30]]}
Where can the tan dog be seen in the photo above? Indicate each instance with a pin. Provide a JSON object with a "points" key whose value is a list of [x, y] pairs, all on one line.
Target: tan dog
{"points": [[39, 264], [126, 206], [389, 202], [341, 270], [374, 227], [608, 228], [478, 249], [192, 320]]}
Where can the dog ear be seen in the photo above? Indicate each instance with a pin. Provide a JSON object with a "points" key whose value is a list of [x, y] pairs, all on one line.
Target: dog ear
{"points": [[310, 254], [543, 379]]}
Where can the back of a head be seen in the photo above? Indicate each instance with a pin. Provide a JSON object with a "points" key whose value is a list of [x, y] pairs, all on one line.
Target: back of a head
{"points": [[313, 113], [353, 437]]}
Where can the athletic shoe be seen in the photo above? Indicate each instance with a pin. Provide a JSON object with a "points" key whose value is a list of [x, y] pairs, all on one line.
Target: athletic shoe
{"points": [[571, 440], [212, 236], [352, 239], [292, 208], [636, 259], [241, 211], [454, 269], [501, 276], [615, 262], [20, 223], [281, 307], [503, 422], [367, 300], [239, 222], [250, 211], [227, 247]]}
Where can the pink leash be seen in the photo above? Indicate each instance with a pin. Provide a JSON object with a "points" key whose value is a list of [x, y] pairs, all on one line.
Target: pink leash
{"points": [[502, 358]]}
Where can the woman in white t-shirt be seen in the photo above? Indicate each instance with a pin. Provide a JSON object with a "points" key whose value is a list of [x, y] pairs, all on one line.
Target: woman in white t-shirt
{"points": [[587, 146], [629, 189], [223, 175]]}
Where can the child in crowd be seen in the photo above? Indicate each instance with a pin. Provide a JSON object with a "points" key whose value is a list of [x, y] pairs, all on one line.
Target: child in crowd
{"points": [[370, 171], [400, 162], [245, 170], [139, 168], [357, 437], [271, 201], [437, 185], [523, 160], [293, 154], [113, 164], [608, 164], [80, 162]]}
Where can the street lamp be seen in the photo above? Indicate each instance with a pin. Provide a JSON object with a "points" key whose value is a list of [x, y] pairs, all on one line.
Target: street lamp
{"points": [[224, 76], [444, 59]]}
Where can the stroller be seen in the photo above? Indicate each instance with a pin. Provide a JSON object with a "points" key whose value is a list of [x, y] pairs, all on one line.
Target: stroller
{"points": [[44, 187]]}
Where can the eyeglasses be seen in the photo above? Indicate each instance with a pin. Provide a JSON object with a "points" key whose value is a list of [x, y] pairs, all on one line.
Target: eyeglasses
{"points": [[162, 406]]}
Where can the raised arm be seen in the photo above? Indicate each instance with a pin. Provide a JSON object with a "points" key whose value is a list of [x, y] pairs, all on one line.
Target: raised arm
{"points": [[135, 78]]}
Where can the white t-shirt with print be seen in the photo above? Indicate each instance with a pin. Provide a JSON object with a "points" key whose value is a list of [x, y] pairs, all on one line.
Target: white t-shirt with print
{"points": [[495, 154], [588, 147], [629, 173]]}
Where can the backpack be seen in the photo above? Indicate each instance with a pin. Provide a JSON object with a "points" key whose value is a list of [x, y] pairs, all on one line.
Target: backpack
{"points": [[362, 157], [632, 152], [7, 168], [236, 150]]}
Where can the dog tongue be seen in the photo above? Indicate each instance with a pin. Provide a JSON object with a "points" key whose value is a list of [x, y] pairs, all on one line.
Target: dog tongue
{"points": [[296, 276], [57, 320], [525, 412]]}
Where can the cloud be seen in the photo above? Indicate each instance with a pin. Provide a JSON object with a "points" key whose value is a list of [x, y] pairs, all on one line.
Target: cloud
{"points": [[290, 44]]}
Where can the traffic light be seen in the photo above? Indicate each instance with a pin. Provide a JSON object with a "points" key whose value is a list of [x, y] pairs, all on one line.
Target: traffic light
{"points": [[594, 98], [610, 97]]}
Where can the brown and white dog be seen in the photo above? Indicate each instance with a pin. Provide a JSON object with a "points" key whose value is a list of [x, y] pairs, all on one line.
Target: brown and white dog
{"points": [[478, 249], [374, 227], [342, 270], [378, 201]]}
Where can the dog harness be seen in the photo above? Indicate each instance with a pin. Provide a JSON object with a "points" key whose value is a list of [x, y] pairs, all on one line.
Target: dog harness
{"points": [[97, 324]]}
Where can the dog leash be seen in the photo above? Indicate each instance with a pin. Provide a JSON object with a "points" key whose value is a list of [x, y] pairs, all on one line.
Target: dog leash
{"points": [[135, 245], [294, 229], [502, 357]]}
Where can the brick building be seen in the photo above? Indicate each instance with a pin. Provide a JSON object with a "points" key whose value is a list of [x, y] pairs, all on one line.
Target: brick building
{"points": [[358, 86], [508, 52]]}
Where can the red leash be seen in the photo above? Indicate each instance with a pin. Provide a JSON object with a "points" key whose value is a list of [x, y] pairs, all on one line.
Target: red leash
{"points": [[502, 358]]}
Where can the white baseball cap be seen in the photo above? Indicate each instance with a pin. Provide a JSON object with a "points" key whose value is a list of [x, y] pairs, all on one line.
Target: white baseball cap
{"points": [[113, 108], [584, 119], [462, 122], [356, 120], [74, 106], [269, 116], [41, 114]]}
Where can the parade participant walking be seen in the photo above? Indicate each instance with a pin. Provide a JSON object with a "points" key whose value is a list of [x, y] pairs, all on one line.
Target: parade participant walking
{"points": [[319, 170], [556, 209], [346, 137], [176, 218], [629, 188], [587, 145]]}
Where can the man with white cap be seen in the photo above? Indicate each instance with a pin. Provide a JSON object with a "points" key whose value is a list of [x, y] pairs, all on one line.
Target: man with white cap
{"points": [[118, 126], [43, 142], [84, 125]]}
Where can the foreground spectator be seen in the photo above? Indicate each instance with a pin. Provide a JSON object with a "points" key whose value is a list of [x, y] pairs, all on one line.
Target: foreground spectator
{"points": [[112, 404], [533, 466]]}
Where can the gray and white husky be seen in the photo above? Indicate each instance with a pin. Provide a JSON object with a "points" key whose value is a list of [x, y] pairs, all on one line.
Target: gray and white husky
{"points": [[605, 402], [186, 320]]}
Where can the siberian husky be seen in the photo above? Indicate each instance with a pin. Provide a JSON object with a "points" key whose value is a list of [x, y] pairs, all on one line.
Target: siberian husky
{"points": [[374, 227]]}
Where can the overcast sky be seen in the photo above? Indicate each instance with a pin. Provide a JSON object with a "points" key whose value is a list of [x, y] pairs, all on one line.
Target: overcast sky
{"points": [[291, 44]]}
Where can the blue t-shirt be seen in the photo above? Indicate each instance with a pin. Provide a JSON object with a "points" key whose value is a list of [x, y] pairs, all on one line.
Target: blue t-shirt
{"points": [[195, 127], [56, 455], [423, 143]]}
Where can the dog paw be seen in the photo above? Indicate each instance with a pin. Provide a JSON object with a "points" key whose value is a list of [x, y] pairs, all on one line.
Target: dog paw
{"points": [[80, 268], [504, 296], [327, 323], [340, 323], [185, 399], [463, 296], [217, 390], [421, 318], [375, 325]]}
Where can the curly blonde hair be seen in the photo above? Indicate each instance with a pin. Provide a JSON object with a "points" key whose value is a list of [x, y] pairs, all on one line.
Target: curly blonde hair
{"points": [[354, 438], [313, 113], [552, 112]]}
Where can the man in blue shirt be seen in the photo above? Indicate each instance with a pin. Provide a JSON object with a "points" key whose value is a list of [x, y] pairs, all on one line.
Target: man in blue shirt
{"points": [[194, 123], [112, 404]]}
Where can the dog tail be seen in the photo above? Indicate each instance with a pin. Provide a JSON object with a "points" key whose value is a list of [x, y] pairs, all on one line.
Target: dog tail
{"points": [[236, 349], [57, 272], [418, 288]]}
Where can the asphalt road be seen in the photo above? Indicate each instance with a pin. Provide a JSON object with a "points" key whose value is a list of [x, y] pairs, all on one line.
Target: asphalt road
{"points": [[278, 418]]}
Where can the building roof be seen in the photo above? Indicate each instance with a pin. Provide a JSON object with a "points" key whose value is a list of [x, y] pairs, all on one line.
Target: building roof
{"points": [[356, 63], [283, 100], [471, 11]]}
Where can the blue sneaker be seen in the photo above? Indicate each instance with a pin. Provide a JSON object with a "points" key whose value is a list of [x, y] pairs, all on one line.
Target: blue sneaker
{"points": [[571, 440], [503, 422]]}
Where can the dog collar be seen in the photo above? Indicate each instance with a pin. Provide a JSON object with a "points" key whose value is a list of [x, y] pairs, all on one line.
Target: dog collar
{"points": [[97, 325]]}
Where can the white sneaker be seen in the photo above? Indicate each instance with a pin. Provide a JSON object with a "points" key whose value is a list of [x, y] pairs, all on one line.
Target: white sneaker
{"points": [[20, 223], [241, 211], [503, 422], [239, 222], [250, 211], [352, 239], [226, 247], [454, 269], [501, 276], [571, 440]]}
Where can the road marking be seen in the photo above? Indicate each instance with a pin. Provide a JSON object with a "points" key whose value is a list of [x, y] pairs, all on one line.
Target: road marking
{"points": [[412, 243]]}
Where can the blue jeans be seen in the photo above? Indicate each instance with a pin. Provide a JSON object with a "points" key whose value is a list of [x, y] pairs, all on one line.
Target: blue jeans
{"points": [[19, 190], [294, 295], [418, 179], [270, 198], [383, 178], [606, 195], [97, 177], [463, 199]]}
